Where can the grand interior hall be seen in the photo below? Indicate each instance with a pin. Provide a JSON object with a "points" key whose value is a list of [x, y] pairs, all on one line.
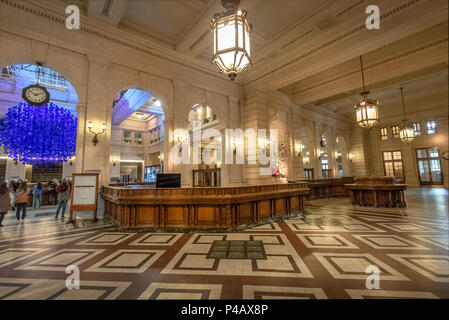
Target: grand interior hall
{"points": [[224, 149]]}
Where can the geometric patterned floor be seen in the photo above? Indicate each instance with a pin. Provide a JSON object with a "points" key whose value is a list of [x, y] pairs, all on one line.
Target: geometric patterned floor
{"points": [[321, 256]]}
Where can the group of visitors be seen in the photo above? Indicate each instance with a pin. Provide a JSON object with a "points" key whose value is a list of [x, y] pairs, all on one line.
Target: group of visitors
{"points": [[14, 195]]}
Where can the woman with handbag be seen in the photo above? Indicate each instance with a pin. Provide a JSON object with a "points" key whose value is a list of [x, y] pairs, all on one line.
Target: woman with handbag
{"points": [[22, 200]]}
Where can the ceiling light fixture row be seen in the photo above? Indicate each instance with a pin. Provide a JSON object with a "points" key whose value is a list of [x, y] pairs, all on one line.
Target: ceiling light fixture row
{"points": [[367, 112], [231, 41]]}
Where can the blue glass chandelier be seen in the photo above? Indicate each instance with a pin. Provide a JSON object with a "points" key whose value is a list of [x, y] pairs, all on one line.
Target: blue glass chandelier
{"points": [[38, 135]]}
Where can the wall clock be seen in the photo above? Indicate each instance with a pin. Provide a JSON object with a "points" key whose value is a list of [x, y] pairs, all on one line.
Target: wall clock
{"points": [[445, 155], [36, 95]]}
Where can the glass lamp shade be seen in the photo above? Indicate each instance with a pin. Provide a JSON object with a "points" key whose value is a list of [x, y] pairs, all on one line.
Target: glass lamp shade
{"points": [[367, 112], [231, 43], [407, 133]]}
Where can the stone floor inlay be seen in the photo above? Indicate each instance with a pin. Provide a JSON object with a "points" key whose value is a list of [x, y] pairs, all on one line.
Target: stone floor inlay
{"points": [[323, 255]]}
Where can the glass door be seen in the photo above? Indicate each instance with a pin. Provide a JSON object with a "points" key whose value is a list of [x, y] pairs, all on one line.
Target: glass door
{"points": [[393, 166], [429, 166]]}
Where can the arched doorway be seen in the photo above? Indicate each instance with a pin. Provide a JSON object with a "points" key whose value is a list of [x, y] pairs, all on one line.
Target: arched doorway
{"points": [[137, 137], [13, 79], [341, 157], [207, 174]]}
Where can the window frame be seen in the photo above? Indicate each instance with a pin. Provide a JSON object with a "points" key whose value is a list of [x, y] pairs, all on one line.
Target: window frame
{"points": [[383, 136], [395, 134], [392, 161], [434, 127]]}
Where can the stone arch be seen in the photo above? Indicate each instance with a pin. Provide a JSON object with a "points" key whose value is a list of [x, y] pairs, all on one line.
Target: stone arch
{"points": [[74, 80], [118, 88], [341, 147]]}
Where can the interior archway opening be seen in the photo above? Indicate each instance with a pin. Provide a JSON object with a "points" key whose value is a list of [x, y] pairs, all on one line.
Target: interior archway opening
{"points": [[137, 137]]}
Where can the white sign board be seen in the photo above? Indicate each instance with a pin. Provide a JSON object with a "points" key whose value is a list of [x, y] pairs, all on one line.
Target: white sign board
{"points": [[84, 190]]}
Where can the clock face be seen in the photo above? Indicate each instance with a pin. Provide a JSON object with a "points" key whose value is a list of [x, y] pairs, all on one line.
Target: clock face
{"points": [[36, 95]]}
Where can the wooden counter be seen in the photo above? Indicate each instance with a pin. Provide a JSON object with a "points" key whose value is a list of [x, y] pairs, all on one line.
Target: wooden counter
{"points": [[218, 208], [377, 192], [322, 188]]}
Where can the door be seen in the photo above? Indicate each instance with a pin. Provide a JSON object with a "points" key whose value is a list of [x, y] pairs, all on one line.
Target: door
{"points": [[429, 166], [393, 166]]}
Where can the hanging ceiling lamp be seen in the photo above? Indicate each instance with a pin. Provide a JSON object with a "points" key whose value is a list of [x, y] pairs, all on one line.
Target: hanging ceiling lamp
{"points": [[366, 111], [231, 30], [406, 133]]}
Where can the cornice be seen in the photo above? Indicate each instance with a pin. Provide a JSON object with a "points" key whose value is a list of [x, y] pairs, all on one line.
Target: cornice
{"points": [[392, 58], [123, 38], [266, 74]]}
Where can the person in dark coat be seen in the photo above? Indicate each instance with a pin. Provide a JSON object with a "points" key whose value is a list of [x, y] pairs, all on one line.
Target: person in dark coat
{"points": [[5, 201]]}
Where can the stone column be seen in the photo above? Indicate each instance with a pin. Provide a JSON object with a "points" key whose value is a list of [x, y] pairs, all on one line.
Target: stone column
{"points": [[255, 117], [98, 111]]}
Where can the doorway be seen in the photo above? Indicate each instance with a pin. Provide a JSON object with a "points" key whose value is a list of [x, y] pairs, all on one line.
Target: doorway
{"points": [[393, 166], [429, 166]]}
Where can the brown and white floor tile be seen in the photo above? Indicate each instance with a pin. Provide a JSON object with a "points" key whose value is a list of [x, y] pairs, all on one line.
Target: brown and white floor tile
{"points": [[326, 241], [127, 261], [434, 267], [353, 266], [268, 292], [439, 240], [156, 239], [59, 260], [181, 291], [389, 294], [389, 242]]}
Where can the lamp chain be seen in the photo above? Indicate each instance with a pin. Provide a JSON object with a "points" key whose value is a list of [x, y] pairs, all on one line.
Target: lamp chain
{"points": [[363, 77], [403, 104]]}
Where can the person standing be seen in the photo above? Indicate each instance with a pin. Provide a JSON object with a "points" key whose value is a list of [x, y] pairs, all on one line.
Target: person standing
{"points": [[12, 194], [63, 196], [5, 201], [52, 188], [37, 194], [22, 200]]}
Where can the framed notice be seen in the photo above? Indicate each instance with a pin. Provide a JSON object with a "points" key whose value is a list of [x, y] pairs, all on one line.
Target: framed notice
{"points": [[84, 193]]}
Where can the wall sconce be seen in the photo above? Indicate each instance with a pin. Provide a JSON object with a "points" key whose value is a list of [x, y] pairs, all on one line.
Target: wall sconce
{"points": [[235, 144], [114, 161], [322, 154], [351, 156], [265, 143], [139, 115], [71, 160], [161, 157], [95, 139], [306, 160], [180, 137], [299, 148]]}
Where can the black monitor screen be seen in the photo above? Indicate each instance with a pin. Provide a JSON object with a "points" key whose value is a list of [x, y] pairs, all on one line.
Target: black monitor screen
{"points": [[168, 180]]}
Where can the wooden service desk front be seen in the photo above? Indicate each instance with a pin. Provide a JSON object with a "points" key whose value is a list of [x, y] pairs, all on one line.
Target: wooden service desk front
{"points": [[220, 208]]}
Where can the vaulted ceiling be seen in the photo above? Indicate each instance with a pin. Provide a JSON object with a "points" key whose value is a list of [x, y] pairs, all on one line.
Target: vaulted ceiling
{"points": [[307, 49]]}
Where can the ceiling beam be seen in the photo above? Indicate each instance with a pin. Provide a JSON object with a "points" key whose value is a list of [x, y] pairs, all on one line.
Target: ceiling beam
{"points": [[194, 4], [341, 45], [115, 10], [386, 69]]}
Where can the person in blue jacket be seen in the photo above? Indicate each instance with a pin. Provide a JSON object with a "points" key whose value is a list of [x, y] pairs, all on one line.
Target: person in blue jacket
{"points": [[37, 194]]}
